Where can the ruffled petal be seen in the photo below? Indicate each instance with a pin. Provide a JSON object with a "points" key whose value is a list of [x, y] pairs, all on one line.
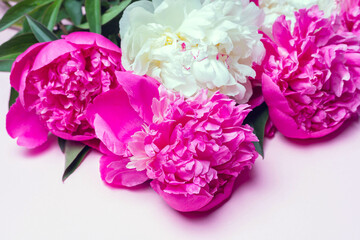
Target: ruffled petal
{"points": [[114, 172], [25, 126], [281, 114], [114, 119]]}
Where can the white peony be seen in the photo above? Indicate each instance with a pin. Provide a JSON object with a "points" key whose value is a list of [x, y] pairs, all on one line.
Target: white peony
{"points": [[275, 8], [192, 44]]}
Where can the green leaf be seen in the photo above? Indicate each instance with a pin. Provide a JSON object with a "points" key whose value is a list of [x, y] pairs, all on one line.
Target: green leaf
{"points": [[61, 143], [13, 96], [110, 14], [113, 39], [257, 119], [41, 33], [19, 10], [16, 45], [75, 153], [73, 9], [93, 15], [5, 65], [51, 14]]}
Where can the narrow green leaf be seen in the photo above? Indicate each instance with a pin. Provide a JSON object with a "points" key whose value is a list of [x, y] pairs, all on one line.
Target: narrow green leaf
{"points": [[19, 10], [51, 14], [93, 15], [41, 33], [73, 9], [61, 143], [75, 153], [13, 96], [110, 14], [16, 45], [257, 119], [5, 65]]}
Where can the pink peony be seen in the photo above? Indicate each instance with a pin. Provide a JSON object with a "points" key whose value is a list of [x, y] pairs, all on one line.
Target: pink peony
{"points": [[192, 149], [311, 79], [56, 81]]}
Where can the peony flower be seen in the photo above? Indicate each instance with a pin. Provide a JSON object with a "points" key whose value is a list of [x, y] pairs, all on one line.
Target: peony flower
{"points": [[193, 45], [192, 149], [311, 79], [56, 81], [275, 8]]}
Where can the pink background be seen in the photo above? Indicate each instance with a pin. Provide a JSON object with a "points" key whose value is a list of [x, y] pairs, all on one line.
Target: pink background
{"points": [[302, 190]]}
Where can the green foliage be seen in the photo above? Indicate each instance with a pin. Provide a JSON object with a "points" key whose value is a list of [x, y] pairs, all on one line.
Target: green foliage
{"points": [[257, 119], [51, 14], [75, 153], [19, 10], [13, 96], [16, 45], [93, 15], [61, 143], [110, 14], [5, 65], [73, 9], [41, 33]]}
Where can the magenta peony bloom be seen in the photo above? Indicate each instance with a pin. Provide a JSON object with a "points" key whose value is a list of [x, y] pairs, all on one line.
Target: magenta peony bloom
{"points": [[311, 79], [191, 149], [56, 81], [194, 149]]}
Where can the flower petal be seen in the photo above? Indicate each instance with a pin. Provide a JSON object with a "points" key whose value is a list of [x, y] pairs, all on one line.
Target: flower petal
{"points": [[68, 136], [22, 64], [280, 113], [220, 196], [114, 119], [26, 126], [141, 91], [114, 172], [92, 39], [182, 202], [52, 51]]}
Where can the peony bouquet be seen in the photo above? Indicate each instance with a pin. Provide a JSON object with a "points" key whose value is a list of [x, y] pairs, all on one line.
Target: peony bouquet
{"points": [[179, 94]]}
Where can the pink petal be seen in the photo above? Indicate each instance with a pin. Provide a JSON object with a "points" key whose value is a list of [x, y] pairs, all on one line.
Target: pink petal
{"points": [[114, 172], [68, 136], [273, 96], [22, 64], [26, 126], [141, 91], [281, 33], [114, 119], [92, 39], [182, 202], [52, 51], [220, 196], [280, 113], [98, 146]]}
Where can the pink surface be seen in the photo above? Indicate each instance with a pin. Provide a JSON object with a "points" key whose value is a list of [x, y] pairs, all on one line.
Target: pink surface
{"points": [[302, 190]]}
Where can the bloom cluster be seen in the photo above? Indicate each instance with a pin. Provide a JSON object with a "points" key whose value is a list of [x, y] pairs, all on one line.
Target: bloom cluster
{"points": [[171, 107]]}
